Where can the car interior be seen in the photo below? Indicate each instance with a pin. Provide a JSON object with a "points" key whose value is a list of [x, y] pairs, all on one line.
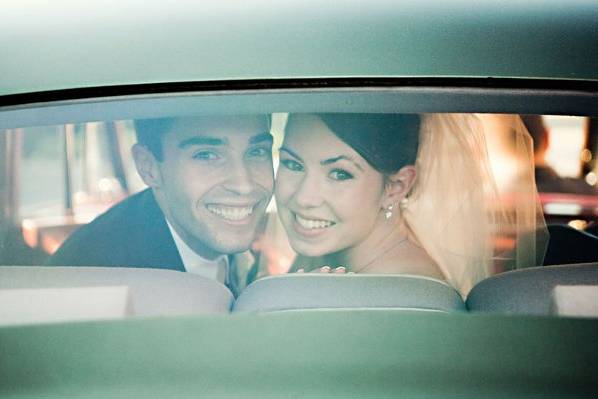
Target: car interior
{"points": [[69, 161], [122, 332], [77, 79]]}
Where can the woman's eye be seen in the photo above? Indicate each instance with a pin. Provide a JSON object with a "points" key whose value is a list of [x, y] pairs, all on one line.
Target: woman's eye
{"points": [[260, 152], [292, 165], [205, 155], [340, 174]]}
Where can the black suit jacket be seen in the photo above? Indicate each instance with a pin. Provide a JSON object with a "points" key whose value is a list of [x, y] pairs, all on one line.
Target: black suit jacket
{"points": [[133, 233]]}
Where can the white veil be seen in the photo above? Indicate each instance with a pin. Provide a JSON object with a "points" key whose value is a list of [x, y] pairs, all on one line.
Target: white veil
{"points": [[470, 226]]}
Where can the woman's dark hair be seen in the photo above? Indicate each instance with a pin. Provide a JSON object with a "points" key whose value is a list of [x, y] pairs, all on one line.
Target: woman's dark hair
{"points": [[387, 141]]}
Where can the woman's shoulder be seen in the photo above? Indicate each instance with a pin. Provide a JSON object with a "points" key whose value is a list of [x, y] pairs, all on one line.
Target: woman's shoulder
{"points": [[413, 260]]}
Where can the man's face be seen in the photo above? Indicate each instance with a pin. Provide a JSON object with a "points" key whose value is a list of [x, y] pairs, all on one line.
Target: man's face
{"points": [[216, 179]]}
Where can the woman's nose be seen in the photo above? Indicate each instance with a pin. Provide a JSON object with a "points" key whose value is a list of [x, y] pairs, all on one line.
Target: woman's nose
{"points": [[309, 193]]}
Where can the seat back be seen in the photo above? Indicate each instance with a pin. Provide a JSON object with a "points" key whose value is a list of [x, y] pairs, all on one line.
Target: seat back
{"points": [[350, 291], [528, 291], [568, 246], [151, 292]]}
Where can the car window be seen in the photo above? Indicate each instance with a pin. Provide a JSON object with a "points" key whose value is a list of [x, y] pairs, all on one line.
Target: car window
{"points": [[67, 167], [41, 180], [566, 170], [66, 175], [147, 183]]}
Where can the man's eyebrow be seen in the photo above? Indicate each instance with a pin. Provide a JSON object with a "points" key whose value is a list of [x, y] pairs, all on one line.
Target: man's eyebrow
{"points": [[202, 140], [261, 138], [341, 157], [290, 152]]}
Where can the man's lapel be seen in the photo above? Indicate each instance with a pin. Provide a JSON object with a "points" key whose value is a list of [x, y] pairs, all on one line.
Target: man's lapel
{"points": [[161, 250]]}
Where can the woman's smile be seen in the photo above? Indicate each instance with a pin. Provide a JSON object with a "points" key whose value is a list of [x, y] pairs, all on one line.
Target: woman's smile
{"points": [[310, 226]]}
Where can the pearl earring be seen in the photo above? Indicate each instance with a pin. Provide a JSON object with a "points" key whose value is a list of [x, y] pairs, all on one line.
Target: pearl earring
{"points": [[388, 213], [403, 204]]}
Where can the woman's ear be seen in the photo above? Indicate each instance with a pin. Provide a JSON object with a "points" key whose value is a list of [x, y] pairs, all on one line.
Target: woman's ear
{"points": [[398, 185], [147, 166]]}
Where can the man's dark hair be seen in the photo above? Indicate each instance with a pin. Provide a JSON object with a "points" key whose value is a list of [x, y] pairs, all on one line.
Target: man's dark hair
{"points": [[150, 133]]}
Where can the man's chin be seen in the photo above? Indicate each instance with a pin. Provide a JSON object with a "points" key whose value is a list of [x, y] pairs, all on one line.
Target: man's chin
{"points": [[233, 249], [232, 236], [234, 244]]}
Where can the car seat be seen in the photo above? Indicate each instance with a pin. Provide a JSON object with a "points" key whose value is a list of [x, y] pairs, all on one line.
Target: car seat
{"points": [[528, 291], [349, 291]]}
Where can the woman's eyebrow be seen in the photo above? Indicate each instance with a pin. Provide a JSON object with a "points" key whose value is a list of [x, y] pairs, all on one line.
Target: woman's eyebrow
{"points": [[202, 140], [341, 157], [290, 152]]}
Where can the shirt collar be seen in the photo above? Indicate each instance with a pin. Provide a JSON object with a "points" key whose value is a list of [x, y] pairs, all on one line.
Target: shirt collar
{"points": [[215, 269]]}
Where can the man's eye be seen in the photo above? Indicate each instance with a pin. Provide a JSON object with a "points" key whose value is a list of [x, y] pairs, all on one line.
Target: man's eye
{"points": [[340, 174], [260, 152], [205, 155], [292, 165]]}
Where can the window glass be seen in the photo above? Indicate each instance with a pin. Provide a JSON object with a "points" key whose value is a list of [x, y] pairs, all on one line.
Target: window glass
{"points": [[126, 138], [70, 168], [42, 181], [69, 174], [567, 138]]}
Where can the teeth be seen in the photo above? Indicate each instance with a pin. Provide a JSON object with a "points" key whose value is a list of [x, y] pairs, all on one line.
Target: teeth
{"points": [[312, 224], [231, 212]]}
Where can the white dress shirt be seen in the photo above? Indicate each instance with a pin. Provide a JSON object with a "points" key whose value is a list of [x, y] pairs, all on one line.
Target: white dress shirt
{"points": [[213, 269]]}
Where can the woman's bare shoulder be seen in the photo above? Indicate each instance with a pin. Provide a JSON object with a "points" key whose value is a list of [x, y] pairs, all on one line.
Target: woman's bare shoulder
{"points": [[411, 260]]}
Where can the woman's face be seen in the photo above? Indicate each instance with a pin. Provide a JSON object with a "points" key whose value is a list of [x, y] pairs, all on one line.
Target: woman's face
{"points": [[328, 197]]}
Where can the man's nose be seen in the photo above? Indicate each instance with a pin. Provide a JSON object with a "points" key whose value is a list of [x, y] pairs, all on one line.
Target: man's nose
{"points": [[239, 179], [308, 194]]}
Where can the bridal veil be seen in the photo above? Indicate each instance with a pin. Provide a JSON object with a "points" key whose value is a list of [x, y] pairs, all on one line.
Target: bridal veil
{"points": [[471, 226]]}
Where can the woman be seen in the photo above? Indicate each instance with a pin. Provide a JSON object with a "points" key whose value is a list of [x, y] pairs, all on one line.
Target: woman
{"points": [[392, 193]]}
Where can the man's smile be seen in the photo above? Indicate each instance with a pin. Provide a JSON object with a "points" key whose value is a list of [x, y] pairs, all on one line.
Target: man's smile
{"points": [[230, 212]]}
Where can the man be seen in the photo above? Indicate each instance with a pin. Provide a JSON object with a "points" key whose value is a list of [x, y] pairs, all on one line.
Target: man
{"points": [[210, 180]]}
